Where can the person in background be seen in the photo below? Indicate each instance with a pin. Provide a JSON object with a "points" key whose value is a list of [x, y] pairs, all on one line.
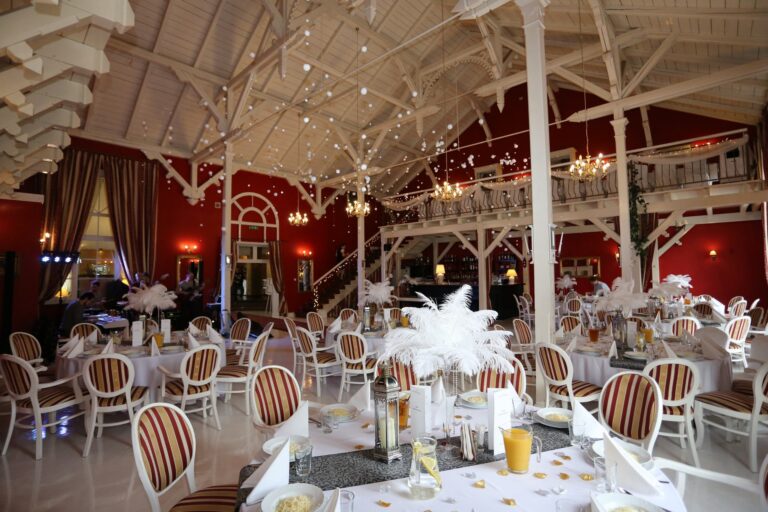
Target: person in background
{"points": [[599, 287], [188, 285], [73, 315], [96, 287]]}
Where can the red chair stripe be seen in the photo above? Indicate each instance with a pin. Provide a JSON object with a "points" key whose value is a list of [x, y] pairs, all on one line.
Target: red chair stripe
{"points": [[569, 323], [315, 322], [682, 325], [201, 322], [522, 331], [50, 397], [351, 346], [756, 315], [176, 388], [703, 309], [639, 321], [17, 379], [290, 325], [394, 314], [25, 346], [277, 396], [261, 346], [732, 401], [166, 444], [573, 306], [241, 329], [738, 328], [84, 330], [137, 395], [108, 375], [346, 314], [674, 380], [306, 343], [739, 308], [201, 365], [628, 405], [554, 365], [217, 498]]}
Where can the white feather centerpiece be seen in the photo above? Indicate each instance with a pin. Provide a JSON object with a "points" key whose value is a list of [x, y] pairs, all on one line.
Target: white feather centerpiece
{"points": [[378, 293], [147, 299], [565, 283], [621, 297], [450, 336], [674, 285]]}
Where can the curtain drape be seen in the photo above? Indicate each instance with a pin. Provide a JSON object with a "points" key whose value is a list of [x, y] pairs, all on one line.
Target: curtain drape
{"points": [[276, 268], [132, 198], [68, 200]]}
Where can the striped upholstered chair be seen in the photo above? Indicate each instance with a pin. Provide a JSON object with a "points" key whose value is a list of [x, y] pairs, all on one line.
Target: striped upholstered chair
{"points": [[352, 350], [751, 408], [569, 323], [488, 378], [34, 399], [239, 335], [703, 310], [631, 407], [757, 315], [290, 326], [276, 396], [196, 380], [572, 307], [26, 347], [320, 359], [392, 315], [638, 321], [164, 449], [737, 330], [678, 382], [83, 330], [402, 372], [109, 380], [244, 373], [558, 376], [201, 322], [523, 349], [732, 302], [316, 326], [348, 315], [684, 324]]}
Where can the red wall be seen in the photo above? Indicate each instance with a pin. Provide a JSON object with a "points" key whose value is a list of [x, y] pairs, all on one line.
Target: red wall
{"points": [[20, 230]]}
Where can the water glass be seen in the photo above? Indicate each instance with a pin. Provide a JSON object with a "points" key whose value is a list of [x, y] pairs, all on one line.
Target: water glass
{"points": [[330, 423], [576, 433], [605, 474], [347, 501], [304, 460]]}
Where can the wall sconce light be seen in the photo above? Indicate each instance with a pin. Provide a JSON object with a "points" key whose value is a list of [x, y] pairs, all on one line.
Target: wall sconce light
{"points": [[713, 254], [228, 259]]}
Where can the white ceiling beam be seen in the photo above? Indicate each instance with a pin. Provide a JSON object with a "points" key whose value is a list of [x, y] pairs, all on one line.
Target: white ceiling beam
{"points": [[611, 50], [677, 90], [690, 12], [24, 160], [44, 98], [605, 228], [131, 143], [649, 64], [61, 117], [583, 82]]}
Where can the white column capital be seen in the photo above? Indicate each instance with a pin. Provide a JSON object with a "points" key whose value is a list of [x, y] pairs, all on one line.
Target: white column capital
{"points": [[619, 124], [533, 10]]}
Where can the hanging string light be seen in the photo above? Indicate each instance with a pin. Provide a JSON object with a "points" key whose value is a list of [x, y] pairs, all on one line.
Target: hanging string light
{"points": [[585, 168], [358, 207], [297, 218]]}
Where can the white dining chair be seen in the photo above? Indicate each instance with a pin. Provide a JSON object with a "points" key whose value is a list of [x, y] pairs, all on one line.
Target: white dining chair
{"points": [[83, 329], [322, 360], [352, 350], [27, 347], [737, 330], [244, 371], [276, 397], [557, 369], [196, 380], [631, 407]]}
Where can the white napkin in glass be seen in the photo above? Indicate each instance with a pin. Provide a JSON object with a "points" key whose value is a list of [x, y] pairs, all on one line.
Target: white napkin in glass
{"points": [[192, 343], [297, 424], [668, 350], [269, 476], [77, 349], [334, 502], [194, 330], [154, 350], [612, 352], [93, 338], [109, 348], [68, 345], [592, 428], [214, 336], [362, 398], [629, 473]]}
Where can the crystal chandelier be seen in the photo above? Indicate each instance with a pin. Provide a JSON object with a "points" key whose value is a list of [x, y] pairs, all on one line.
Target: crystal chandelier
{"points": [[358, 209], [447, 192], [298, 219]]}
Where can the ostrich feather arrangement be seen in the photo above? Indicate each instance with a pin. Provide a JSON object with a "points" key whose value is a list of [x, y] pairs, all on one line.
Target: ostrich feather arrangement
{"points": [[148, 298], [565, 283], [682, 280], [673, 285], [621, 297], [377, 293], [450, 336]]}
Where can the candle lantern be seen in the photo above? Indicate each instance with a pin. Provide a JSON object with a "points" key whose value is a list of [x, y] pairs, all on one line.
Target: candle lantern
{"points": [[386, 391]]}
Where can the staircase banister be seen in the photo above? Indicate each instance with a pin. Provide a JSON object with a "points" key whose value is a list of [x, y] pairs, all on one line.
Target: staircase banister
{"points": [[343, 262]]}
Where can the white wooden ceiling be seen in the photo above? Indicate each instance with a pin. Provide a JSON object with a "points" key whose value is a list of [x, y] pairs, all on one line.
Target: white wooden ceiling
{"points": [[173, 75]]}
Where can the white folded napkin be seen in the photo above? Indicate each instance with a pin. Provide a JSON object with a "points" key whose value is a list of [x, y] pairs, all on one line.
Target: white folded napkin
{"points": [[438, 390], [213, 335], [68, 345], [560, 332], [711, 350], [335, 326], [612, 352], [609, 329], [334, 502], [719, 317], [359, 328], [194, 330], [467, 445], [572, 345], [668, 350], [657, 318], [297, 424], [77, 349], [442, 412], [109, 348], [274, 473], [137, 333], [717, 306], [517, 402], [93, 338], [592, 428], [192, 343], [154, 350], [362, 398], [629, 473]]}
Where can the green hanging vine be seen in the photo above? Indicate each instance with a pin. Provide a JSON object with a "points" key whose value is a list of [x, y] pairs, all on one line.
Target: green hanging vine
{"points": [[637, 207]]}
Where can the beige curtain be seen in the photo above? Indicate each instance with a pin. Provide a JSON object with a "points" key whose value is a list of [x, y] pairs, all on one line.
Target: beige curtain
{"points": [[132, 198], [276, 268], [68, 200]]}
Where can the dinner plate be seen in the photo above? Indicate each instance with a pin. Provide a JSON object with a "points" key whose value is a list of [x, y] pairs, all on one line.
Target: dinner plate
{"points": [[635, 355], [275, 443], [172, 348], [542, 416], [611, 501], [638, 453], [314, 493], [474, 400], [134, 352], [590, 351], [673, 339], [344, 412]]}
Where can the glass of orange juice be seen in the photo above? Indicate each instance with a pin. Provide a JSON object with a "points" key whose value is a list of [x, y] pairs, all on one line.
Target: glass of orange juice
{"points": [[518, 441], [404, 400], [648, 333], [404, 321], [594, 334]]}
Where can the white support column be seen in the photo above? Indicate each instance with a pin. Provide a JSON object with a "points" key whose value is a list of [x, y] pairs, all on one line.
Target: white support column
{"points": [[226, 238], [383, 258], [482, 270], [360, 243], [655, 269], [627, 252], [541, 204]]}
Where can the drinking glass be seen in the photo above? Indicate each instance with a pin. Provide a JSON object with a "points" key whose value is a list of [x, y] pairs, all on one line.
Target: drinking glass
{"points": [[347, 501], [304, 460], [605, 475], [404, 410], [576, 433], [424, 478], [594, 334], [330, 423], [518, 441]]}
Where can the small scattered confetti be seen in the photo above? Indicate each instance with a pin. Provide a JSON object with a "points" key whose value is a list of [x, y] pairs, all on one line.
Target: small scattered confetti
{"points": [[540, 476], [459, 417], [383, 503], [502, 472], [564, 476], [365, 425], [587, 477], [509, 501], [359, 446], [480, 484], [556, 463], [563, 456]]}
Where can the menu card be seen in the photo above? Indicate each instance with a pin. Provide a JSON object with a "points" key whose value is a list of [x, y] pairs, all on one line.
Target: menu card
{"points": [[165, 328], [499, 417], [137, 333], [421, 408]]}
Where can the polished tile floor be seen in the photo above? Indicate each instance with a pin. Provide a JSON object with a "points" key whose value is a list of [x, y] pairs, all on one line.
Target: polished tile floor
{"points": [[107, 479]]}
